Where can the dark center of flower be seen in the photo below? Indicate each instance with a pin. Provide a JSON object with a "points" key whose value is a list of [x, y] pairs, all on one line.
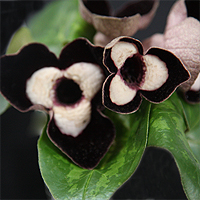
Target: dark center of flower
{"points": [[67, 91], [133, 70]]}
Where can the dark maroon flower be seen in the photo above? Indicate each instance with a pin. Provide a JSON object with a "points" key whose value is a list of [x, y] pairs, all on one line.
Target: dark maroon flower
{"points": [[67, 88], [155, 75]]}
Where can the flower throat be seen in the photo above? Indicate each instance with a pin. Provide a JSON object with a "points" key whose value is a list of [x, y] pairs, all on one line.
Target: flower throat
{"points": [[68, 92]]}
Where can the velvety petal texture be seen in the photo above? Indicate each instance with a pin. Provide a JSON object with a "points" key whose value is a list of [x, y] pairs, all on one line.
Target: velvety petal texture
{"points": [[133, 75], [128, 20], [87, 149], [68, 88], [16, 69], [181, 36]]}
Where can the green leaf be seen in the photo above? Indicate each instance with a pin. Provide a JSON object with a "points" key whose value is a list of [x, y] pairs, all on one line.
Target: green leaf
{"points": [[192, 116], [58, 24], [20, 38], [4, 105], [168, 123], [193, 138], [65, 180]]}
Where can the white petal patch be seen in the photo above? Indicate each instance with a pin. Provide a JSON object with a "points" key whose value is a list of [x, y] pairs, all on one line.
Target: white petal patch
{"points": [[73, 120], [156, 73], [88, 76], [40, 84], [120, 93], [121, 51], [196, 85]]}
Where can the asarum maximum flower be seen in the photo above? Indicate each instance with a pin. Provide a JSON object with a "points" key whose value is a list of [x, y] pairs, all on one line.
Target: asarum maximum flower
{"points": [[69, 89], [154, 75], [133, 16], [181, 36]]}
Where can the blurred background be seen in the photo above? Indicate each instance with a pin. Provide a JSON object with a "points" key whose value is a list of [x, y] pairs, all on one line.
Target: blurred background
{"points": [[157, 176]]}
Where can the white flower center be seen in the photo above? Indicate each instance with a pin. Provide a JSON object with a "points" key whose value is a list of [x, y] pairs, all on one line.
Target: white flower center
{"points": [[71, 119]]}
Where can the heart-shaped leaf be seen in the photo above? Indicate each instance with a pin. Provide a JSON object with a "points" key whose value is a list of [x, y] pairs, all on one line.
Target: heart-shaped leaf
{"points": [[168, 123], [68, 181]]}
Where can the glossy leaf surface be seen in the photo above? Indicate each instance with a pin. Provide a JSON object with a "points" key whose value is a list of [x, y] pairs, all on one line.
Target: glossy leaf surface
{"points": [[169, 122], [68, 181]]}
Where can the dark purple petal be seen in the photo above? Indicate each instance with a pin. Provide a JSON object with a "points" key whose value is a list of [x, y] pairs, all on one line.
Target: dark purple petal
{"points": [[16, 69], [81, 50], [87, 149], [130, 107], [177, 75]]}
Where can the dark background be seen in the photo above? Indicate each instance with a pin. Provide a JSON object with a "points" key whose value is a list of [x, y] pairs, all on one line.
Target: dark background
{"points": [[157, 176]]}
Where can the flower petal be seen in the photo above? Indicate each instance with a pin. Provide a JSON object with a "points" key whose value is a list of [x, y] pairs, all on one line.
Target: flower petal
{"points": [[184, 41], [156, 40], [72, 120], [118, 50], [120, 93], [177, 14], [39, 86], [89, 77], [121, 51], [177, 75], [126, 22], [130, 98], [16, 69], [88, 148], [105, 23], [156, 73], [196, 85], [193, 95], [81, 50], [88, 7]]}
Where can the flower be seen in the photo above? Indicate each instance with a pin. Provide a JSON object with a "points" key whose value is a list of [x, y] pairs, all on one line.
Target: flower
{"points": [[126, 21], [181, 36], [69, 89], [154, 75]]}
